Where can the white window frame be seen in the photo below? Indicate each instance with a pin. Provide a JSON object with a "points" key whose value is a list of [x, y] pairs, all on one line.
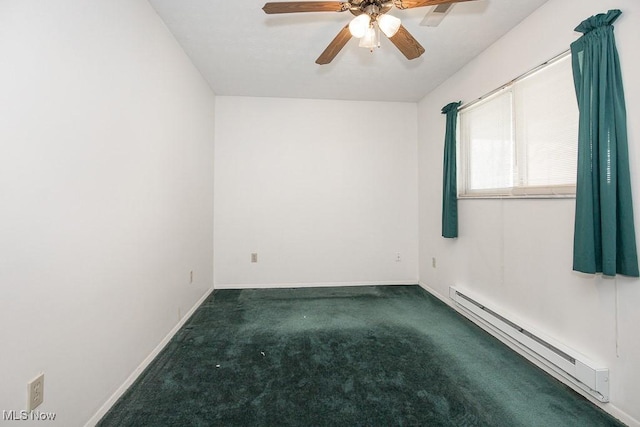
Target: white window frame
{"points": [[551, 191]]}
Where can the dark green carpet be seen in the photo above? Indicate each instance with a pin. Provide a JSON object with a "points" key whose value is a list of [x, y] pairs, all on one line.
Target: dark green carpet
{"points": [[360, 356]]}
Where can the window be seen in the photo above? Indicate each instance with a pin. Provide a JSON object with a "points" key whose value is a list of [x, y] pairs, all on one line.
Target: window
{"points": [[522, 140]]}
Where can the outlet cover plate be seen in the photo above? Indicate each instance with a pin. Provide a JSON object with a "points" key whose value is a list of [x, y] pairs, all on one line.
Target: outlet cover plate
{"points": [[35, 392]]}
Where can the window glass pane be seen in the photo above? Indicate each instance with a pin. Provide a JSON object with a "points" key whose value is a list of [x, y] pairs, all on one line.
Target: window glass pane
{"points": [[522, 140], [487, 130], [547, 126]]}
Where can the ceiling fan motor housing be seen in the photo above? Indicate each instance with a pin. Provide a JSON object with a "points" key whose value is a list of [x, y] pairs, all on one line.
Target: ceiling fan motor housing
{"points": [[372, 8]]}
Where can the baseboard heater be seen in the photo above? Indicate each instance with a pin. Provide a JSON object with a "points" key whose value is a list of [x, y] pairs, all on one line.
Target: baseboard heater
{"points": [[573, 366]]}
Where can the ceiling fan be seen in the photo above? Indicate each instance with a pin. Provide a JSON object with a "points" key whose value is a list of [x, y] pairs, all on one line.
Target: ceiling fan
{"points": [[370, 18]]}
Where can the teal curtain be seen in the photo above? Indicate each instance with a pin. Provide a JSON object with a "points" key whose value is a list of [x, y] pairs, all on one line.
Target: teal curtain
{"points": [[449, 180], [604, 234]]}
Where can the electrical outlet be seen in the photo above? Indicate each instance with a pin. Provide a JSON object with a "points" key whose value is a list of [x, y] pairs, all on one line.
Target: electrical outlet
{"points": [[35, 392], [398, 258], [433, 262], [191, 276], [254, 257]]}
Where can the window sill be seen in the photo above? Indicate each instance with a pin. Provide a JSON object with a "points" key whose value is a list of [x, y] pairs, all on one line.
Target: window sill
{"points": [[519, 196]]}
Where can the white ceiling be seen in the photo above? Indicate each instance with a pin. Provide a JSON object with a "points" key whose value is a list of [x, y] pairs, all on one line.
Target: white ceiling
{"points": [[244, 52]]}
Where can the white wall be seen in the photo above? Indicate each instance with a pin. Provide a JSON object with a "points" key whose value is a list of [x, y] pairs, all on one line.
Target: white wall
{"points": [[106, 188], [323, 191], [517, 254]]}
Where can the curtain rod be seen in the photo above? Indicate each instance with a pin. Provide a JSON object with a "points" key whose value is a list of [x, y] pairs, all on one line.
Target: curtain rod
{"points": [[510, 82]]}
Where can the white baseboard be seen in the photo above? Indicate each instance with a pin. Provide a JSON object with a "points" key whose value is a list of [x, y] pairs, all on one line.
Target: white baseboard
{"points": [[443, 298], [136, 373], [612, 410], [311, 285]]}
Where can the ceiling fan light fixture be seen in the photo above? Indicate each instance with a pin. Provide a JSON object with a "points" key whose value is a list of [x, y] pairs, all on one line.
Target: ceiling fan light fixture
{"points": [[359, 25], [370, 40], [389, 25]]}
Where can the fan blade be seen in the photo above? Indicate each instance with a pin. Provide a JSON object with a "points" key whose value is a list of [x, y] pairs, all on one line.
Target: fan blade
{"points": [[305, 6], [335, 46], [409, 4], [407, 44]]}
